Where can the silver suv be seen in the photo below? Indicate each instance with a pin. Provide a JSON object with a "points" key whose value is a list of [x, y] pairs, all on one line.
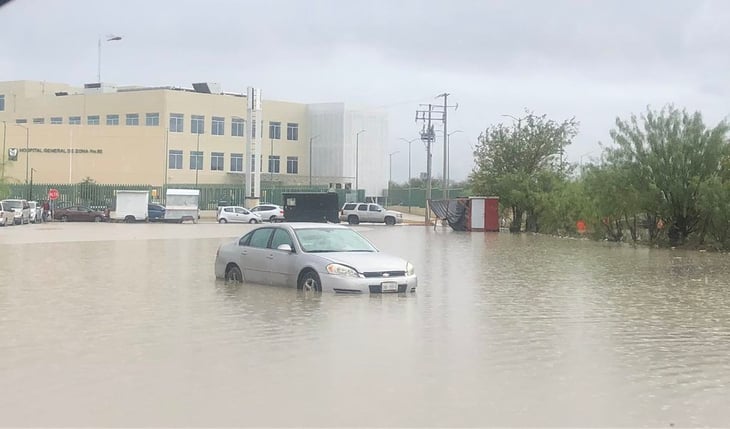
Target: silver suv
{"points": [[354, 213]]}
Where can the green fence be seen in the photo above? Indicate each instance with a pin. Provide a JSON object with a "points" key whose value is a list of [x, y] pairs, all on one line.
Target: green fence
{"points": [[103, 196], [399, 196]]}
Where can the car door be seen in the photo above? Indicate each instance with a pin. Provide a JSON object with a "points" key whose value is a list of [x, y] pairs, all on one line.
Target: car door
{"points": [[282, 263], [362, 213], [240, 214], [255, 256], [375, 213]]}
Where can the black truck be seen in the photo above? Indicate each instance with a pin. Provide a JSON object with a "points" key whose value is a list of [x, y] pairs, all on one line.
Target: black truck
{"points": [[311, 207]]}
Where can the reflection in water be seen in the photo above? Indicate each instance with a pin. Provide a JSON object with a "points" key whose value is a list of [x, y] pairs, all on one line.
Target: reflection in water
{"points": [[504, 330]]}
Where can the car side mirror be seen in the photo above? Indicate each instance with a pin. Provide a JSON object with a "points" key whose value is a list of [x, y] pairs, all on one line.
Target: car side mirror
{"points": [[284, 247]]}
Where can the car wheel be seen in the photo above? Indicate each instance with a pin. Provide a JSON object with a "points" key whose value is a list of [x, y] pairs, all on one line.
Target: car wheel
{"points": [[272, 219], [309, 282], [390, 220], [353, 220], [97, 218], [64, 218], [127, 219], [222, 220], [234, 275], [253, 221]]}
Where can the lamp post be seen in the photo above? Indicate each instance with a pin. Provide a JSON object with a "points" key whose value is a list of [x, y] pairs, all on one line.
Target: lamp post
{"points": [[197, 160], [310, 158], [357, 161], [271, 164], [30, 193], [27, 149], [409, 169], [5, 129], [390, 175], [448, 166], [109, 38]]}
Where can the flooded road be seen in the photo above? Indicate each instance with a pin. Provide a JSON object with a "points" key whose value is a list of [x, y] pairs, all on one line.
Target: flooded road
{"points": [[125, 325]]}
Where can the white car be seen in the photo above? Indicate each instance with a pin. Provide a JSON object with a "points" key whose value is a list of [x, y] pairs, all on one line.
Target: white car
{"points": [[270, 212], [21, 209], [313, 257], [354, 213], [236, 214], [7, 215]]}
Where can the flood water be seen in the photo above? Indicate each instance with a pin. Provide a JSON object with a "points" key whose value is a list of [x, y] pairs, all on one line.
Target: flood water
{"points": [[125, 325]]}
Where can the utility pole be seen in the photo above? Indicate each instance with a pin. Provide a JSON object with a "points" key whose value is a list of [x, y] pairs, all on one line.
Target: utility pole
{"points": [[445, 95], [427, 135]]}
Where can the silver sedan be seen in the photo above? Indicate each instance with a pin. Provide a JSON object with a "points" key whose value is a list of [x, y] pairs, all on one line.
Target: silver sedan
{"points": [[313, 257]]}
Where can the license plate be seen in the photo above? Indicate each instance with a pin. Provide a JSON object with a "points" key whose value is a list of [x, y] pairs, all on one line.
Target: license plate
{"points": [[389, 287]]}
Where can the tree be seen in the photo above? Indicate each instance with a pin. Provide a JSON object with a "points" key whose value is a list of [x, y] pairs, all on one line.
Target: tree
{"points": [[516, 162], [673, 153]]}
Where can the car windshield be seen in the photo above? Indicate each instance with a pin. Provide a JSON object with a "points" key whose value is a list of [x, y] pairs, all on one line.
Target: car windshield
{"points": [[12, 205], [319, 240]]}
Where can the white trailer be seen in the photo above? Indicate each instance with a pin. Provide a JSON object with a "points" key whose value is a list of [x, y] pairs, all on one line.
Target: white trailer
{"points": [[182, 205], [131, 206]]}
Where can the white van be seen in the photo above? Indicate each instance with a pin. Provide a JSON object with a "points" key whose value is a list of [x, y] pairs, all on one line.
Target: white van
{"points": [[21, 209], [36, 215]]}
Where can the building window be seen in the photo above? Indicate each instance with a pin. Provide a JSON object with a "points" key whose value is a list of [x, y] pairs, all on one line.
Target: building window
{"points": [[218, 126], [236, 162], [112, 119], [176, 122], [292, 164], [74, 120], [93, 120], [216, 161], [237, 127], [275, 130], [57, 120], [292, 131], [175, 160], [196, 160], [132, 119], [39, 120], [197, 124], [152, 119], [253, 129], [2, 102], [274, 164], [21, 121]]}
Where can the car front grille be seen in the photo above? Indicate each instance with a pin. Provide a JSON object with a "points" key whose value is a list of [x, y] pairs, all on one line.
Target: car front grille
{"points": [[378, 274]]}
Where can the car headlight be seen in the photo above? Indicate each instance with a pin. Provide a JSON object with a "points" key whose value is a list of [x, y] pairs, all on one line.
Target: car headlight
{"points": [[342, 270], [410, 270]]}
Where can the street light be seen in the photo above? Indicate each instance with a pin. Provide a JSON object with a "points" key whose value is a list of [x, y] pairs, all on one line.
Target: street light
{"points": [[109, 38], [27, 149], [409, 169], [197, 159], [30, 193], [390, 174], [5, 129], [310, 158], [448, 167], [357, 161]]}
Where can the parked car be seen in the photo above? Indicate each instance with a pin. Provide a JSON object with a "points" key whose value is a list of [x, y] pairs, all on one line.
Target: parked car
{"points": [[354, 213], [7, 215], [236, 214], [155, 212], [313, 257], [270, 212], [20, 209], [36, 214], [80, 214]]}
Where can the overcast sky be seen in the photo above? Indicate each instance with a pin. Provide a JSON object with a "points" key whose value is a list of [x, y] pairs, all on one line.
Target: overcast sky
{"points": [[594, 60]]}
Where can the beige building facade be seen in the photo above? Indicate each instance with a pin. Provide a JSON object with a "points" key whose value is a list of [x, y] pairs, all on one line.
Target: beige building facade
{"points": [[56, 133]]}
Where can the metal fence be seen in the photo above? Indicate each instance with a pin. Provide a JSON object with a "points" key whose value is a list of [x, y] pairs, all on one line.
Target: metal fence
{"points": [[97, 195], [399, 196]]}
